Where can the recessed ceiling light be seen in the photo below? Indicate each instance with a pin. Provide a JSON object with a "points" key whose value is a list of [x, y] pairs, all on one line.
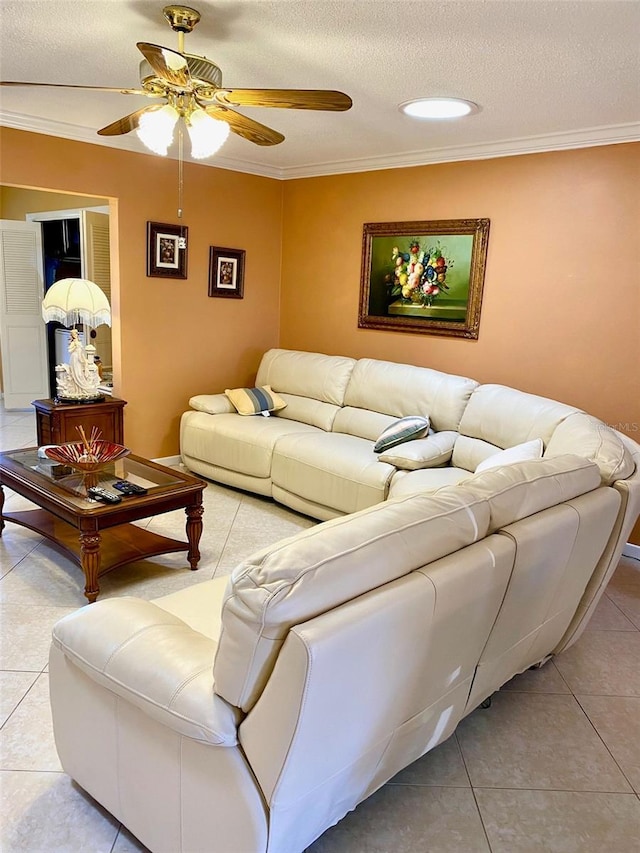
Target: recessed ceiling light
{"points": [[438, 108]]}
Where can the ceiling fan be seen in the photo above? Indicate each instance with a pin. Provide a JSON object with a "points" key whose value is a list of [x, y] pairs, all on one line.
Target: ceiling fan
{"points": [[190, 86]]}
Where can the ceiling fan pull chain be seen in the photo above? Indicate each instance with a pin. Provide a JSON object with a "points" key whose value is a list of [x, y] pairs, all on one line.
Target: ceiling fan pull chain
{"points": [[180, 171]]}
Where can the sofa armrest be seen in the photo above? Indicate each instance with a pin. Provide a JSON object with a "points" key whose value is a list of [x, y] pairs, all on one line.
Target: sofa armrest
{"points": [[430, 452], [155, 661], [212, 404]]}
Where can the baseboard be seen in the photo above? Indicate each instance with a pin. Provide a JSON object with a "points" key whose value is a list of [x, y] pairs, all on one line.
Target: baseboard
{"points": [[169, 460], [631, 550]]}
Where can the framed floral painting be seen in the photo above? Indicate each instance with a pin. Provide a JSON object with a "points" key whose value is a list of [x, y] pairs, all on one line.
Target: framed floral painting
{"points": [[424, 276]]}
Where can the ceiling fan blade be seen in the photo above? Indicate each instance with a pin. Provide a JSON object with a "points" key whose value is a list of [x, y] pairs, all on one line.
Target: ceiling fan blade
{"points": [[125, 124], [245, 127], [169, 65], [295, 99], [72, 86]]}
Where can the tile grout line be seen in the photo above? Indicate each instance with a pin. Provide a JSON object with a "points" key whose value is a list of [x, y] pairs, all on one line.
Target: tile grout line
{"points": [[620, 610], [593, 726], [20, 701], [473, 792], [226, 540]]}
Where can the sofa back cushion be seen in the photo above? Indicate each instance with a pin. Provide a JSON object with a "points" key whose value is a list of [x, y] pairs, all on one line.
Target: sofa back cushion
{"points": [[306, 374], [498, 417], [362, 423], [306, 410], [311, 384], [522, 489], [323, 733], [321, 568], [401, 389]]}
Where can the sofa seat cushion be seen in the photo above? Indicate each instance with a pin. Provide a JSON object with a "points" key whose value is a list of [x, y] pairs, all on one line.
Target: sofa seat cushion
{"points": [[331, 469], [241, 444], [200, 606], [426, 480]]}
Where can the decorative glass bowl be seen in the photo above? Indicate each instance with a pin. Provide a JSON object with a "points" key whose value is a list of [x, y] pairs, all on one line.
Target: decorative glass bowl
{"points": [[89, 461]]}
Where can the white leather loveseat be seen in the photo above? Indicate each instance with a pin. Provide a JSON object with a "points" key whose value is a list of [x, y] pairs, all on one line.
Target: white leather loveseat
{"points": [[248, 715]]}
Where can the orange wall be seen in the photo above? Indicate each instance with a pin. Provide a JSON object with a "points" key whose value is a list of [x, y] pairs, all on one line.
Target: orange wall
{"points": [[175, 340], [561, 307], [16, 203]]}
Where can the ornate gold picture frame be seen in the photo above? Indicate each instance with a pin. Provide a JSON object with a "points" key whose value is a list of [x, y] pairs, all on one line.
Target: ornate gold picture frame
{"points": [[424, 277]]}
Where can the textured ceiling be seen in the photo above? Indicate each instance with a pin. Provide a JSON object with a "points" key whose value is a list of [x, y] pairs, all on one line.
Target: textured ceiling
{"points": [[546, 74]]}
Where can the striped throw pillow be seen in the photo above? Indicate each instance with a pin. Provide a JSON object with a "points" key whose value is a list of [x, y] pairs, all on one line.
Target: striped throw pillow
{"points": [[255, 401], [403, 430]]}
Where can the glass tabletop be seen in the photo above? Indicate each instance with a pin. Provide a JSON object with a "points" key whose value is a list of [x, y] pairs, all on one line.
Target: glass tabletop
{"points": [[133, 469]]}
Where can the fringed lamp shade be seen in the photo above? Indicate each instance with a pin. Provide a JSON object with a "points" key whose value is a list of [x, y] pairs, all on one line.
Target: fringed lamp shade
{"points": [[76, 300]]}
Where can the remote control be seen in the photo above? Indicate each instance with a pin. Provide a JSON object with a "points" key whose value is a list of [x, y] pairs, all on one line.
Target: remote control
{"points": [[128, 488], [104, 495]]}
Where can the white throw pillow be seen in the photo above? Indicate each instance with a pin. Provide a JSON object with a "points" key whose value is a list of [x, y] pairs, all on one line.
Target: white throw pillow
{"points": [[520, 453]]}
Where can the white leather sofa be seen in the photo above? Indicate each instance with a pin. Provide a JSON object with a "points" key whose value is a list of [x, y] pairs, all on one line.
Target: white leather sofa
{"points": [[316, 455], [248, 715]]}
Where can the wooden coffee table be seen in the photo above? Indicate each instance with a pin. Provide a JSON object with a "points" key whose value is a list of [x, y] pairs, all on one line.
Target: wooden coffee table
{"points": [[99, 537]]}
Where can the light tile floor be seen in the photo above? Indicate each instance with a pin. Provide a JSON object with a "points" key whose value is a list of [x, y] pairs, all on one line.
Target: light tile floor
{"points": [[553, 765]]}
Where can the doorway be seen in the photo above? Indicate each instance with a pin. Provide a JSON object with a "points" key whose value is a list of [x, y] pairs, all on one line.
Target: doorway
{"points": [[62, 227], [75, 244]]}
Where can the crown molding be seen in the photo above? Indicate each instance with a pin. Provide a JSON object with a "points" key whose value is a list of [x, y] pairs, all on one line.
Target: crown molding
{"points": [[586, 138], [78, 133]]}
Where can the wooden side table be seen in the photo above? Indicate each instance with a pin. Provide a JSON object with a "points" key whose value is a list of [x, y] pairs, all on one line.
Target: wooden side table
{"points": [[56, 422]]}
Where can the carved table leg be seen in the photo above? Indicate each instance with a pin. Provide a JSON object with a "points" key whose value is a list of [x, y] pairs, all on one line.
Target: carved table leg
{"points": [[194, 531], [1, 505], [90, 555]]}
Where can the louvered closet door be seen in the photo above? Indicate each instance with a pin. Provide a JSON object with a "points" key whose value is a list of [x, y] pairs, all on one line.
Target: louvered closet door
{"points": [[97, 268], [23, 340]]}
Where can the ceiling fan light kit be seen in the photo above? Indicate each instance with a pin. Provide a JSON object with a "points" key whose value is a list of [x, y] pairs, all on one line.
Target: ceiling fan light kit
{"points": [[191, 87], [438, 108]]}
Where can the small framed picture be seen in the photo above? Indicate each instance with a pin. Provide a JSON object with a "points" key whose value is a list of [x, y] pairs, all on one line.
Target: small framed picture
{"points": [[226, 272], [167, 250]]}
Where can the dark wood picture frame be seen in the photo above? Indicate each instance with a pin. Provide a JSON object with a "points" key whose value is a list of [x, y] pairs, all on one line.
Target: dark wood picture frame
{"points": [[226, 272], [167, 248], [424, 277]]}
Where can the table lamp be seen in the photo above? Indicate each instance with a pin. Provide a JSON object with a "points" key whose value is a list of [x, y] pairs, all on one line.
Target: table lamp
{"points": [[71, 301]]}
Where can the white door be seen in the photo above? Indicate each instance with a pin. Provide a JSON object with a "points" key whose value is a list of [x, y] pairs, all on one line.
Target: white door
{"points": [[23, 339]]}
